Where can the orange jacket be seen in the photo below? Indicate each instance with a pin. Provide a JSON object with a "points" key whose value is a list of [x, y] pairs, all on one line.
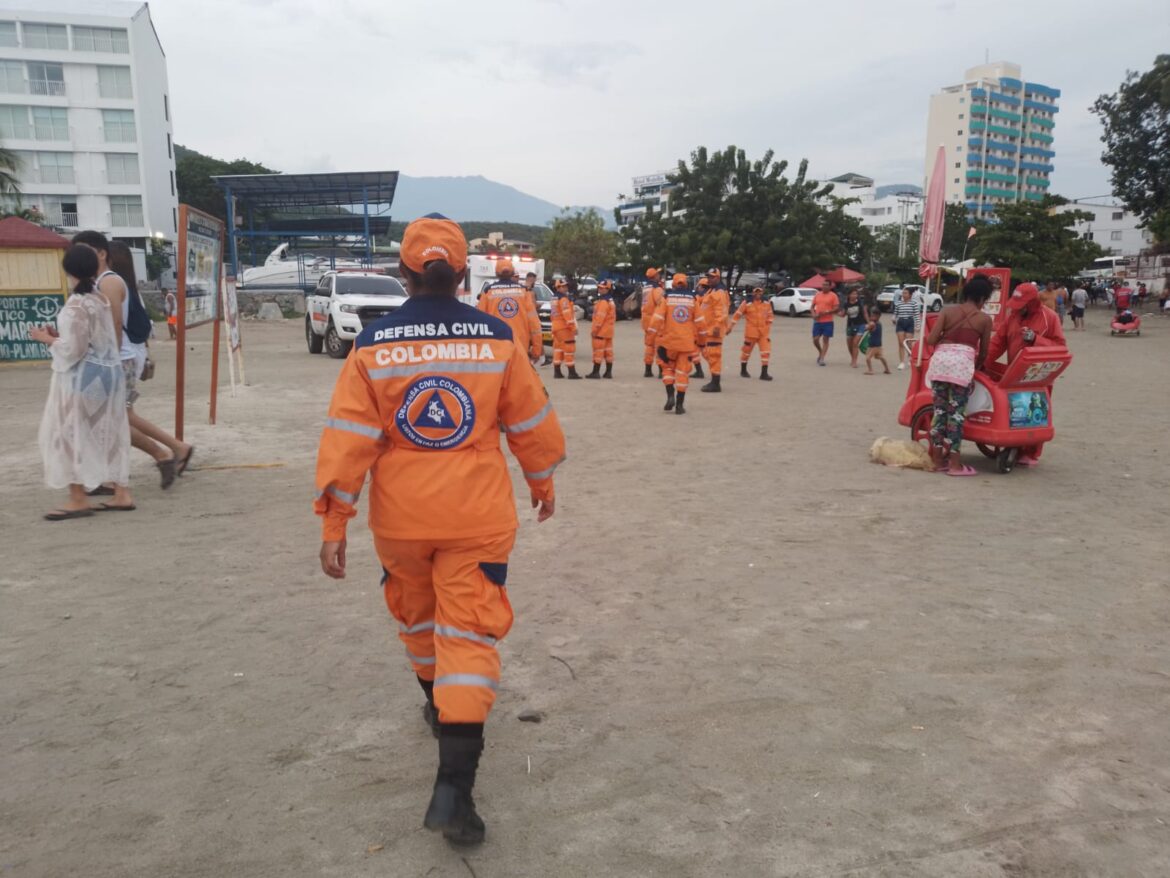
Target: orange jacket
{"points": [[759, 319], [604, 317], [714, 308], [677, 323], [564, 315], [513, 304], [652, 296], [419, 404]]}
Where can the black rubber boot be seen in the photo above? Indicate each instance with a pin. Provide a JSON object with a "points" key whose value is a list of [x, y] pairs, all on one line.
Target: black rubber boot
{"points": [[698, 373], [743, 372], [429, 711], [712, 386], [452, 810], [764, 376], [557, 373], [596, 373], [680, 409], [608, 370], [573, 373], [547, 361], [669, 407], [649, 373]]}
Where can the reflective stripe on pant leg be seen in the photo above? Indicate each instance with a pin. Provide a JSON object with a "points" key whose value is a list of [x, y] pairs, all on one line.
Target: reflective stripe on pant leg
{"points": [[410, 597], [765, 344], [598, 350], [570, 346], [472, 614], [648, 354], [682, 369], [609, 350], [713, 354], [745, 353]]}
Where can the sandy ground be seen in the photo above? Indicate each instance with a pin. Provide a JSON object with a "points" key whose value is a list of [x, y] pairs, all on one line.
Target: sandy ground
{"points": [[757, 652]]}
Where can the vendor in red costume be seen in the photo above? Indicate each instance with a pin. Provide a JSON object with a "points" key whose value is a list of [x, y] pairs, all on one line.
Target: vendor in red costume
{"points": [[1026, 323]]}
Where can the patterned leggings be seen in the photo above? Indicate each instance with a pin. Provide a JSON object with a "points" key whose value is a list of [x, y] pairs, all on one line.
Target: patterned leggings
{"points": [[950, 410]]}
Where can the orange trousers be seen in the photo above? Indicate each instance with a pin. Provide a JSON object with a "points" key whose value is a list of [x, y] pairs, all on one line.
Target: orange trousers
{"points": [[765, 344], [650, 354], [713, 354], [676, 368], [564, 348], [452, 608], [602, 350]]}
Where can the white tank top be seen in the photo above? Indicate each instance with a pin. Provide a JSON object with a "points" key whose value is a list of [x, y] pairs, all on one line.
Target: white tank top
{"points": [[130, 350]]}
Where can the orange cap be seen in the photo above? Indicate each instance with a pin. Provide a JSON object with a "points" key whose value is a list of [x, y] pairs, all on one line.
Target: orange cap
{"points": [[759, 290], [605, 285], [504, 266], [652, 273], [713, 273], [703, 282], [679, 281], [1023, 296], [433, 237]]}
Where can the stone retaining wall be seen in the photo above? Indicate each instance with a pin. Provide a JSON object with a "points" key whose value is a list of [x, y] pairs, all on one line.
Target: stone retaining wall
{"points": [[290, 304]]}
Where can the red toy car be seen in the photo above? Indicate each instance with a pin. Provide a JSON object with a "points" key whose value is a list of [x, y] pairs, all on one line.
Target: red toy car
{"points": [[1010, 407]]}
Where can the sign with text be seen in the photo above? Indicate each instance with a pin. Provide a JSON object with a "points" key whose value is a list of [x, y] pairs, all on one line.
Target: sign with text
{"points": [[201, 251], [19, 314]]}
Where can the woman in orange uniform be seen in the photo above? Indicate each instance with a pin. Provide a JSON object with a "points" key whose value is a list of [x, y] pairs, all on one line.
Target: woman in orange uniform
{"points": [[419, 404], [757, 330], [513, 303], [564, 330], [604, 317], [652, 295], [677, 326]]}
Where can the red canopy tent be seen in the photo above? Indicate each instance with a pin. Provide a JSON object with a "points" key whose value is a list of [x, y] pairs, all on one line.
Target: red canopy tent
{"points": [[815, 282], [844, 275]]}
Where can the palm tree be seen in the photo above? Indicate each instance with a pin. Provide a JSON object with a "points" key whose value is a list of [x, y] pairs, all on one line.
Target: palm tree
{"points": [[9, 166]]}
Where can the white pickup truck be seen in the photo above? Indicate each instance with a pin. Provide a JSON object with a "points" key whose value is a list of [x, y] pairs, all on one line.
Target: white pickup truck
{"points": [[345, 302]]}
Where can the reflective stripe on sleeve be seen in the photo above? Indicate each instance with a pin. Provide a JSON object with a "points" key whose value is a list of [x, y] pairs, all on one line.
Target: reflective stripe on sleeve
{"points": [[416, 629], [419, 659], [448, 631], [525, 426], [467, 680], [354, 427], [343, 496], [439, 366], [545, 473]]}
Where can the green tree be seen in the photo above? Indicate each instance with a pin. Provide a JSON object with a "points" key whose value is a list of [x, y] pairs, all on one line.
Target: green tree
{"points": [[1136, 119], [1034, 242], [158, 260], [193, 173], [578, 243], [9, 168]]}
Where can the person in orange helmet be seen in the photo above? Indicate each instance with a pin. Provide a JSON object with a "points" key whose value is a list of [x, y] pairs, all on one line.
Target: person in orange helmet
{"points": [[604, 317], [676, 326], [419, 406], [511, 302], [652, 296], [715, 308], [564, 330], [757, 330]]}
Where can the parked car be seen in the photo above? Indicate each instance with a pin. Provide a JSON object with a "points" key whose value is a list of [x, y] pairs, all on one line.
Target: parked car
{"points": [[343, 303], [890, 293], [793, 301]]}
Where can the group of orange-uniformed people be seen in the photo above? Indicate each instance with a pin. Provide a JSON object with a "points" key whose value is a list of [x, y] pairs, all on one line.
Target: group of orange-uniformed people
{"points": [[684, 327]]}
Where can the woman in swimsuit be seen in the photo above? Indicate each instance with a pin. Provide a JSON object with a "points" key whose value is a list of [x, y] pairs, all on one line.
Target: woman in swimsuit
{"points": [[959, 337]]}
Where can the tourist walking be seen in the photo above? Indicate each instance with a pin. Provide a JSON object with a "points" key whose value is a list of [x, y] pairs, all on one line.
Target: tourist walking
{"points": [[856, 321], [825, 306], [1080, 299], [907, 313]]}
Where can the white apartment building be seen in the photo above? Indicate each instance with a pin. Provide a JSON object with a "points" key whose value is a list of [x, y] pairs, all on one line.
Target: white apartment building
{"points": [[996, 130], [651, 195], [1116, 230], [85, 106], [873, 210]]}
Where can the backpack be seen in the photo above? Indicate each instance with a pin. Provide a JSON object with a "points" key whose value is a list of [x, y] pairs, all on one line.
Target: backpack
{"points": [[138, 326]]}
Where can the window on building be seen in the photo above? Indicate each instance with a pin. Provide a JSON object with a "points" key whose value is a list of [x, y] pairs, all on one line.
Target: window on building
{"points": [[958, 149], [170, 154], [55, 167], [1119, 214], [60, 211], [172, 182], [44, 36], [101, 39], [119, 126], [114, 82], [46, 79], [50, 123], [166, 108], [14, 124], [121, 168], [12, 78], [962, 116], [1115, 236], [1088, 236], [8, 33], [962, 100], [959, 132], [125, 211], [175, 218]]}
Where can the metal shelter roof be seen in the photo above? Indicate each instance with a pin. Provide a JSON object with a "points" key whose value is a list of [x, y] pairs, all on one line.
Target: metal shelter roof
{"points": [[311, 190]]}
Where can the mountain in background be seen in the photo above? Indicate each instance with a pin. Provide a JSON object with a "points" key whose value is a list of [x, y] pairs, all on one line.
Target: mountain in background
{"points": [[896, 188], [474, 198]]}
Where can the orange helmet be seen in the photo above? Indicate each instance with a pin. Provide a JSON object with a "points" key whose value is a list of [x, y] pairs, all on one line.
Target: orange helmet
{"points": [[679, 281], [652, 273]]}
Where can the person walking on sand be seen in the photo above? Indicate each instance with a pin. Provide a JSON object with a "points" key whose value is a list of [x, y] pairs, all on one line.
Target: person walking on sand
{"points": [[84, 435], [677, 327], [442, 512], [825, 306], [856, 321], [757, 330], [652, 296], [171, 312], [874, 342], [1080, 299], [601, 329], [906, 315]]}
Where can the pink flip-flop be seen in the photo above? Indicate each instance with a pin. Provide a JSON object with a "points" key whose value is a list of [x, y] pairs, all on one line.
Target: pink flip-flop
{"points": [[967, 470]]}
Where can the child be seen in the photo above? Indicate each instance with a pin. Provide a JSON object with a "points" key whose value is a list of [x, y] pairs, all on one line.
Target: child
{"points": [[874, 328]]}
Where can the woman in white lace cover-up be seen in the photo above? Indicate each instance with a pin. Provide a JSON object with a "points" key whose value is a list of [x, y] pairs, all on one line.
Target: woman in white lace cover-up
{"points": [[84, 435]]}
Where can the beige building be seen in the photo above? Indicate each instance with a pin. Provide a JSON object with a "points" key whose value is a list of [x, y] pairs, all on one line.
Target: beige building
{"points": [[997, 132], [496, 241]]}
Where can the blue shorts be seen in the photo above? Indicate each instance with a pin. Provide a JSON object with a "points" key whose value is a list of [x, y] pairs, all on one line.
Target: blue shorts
{"points": [[823, 329]]}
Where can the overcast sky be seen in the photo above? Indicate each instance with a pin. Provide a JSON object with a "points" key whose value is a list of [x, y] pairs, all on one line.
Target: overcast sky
{"points": [[568, 99]]}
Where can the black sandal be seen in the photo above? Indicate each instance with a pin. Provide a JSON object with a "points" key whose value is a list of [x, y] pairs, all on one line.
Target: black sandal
{"points": [[101, 491], [66, 514], [167, 473], [115, 507], [186, 460]]}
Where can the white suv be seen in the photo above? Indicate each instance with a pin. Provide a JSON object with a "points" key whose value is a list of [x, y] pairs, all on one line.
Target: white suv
{"points": [[891, 293], [345, 302]]}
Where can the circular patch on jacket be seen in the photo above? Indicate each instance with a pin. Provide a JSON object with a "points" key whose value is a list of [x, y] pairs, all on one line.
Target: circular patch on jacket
{"points": [[436, 413], [509, 307], [682, 314]]}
